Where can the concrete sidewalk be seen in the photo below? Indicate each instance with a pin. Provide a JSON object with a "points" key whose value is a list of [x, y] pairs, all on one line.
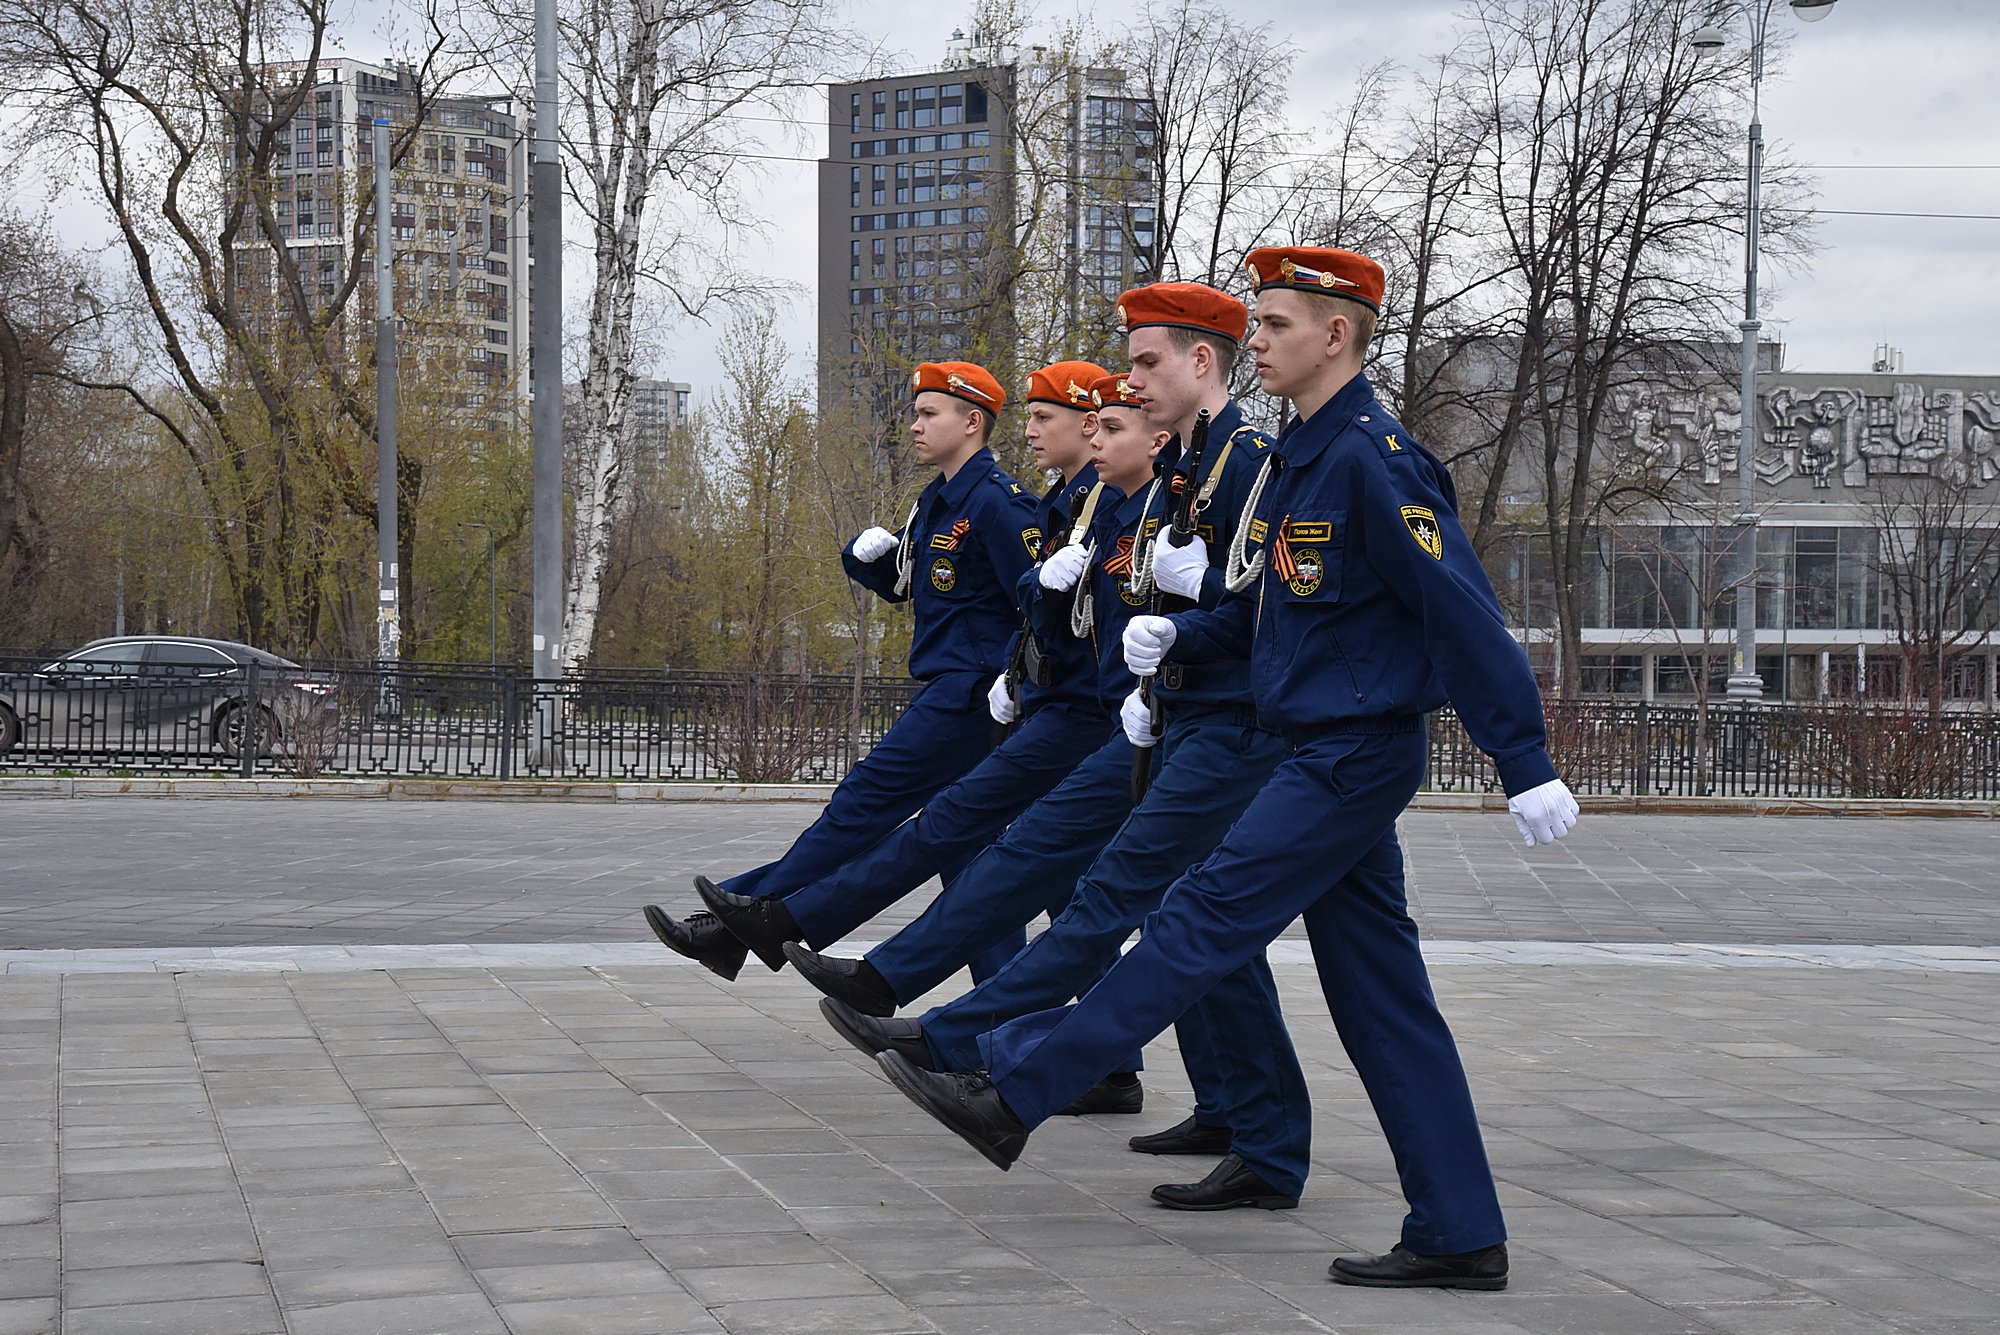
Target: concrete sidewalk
{"points": [[646, 1149], [1759, 1135]]}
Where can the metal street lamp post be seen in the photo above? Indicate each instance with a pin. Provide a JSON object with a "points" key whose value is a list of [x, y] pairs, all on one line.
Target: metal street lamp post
{"points": [[1744, 683]]}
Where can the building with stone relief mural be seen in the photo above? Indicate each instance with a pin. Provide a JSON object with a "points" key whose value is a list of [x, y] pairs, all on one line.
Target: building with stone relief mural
{"points": [[1878, 543]]}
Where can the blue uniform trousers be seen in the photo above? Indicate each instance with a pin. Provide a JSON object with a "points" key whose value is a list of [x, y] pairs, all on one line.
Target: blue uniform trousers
{"points": [[1232, 1037], [954, 825], [1031, 869], [942, 734], [1318, 841]]}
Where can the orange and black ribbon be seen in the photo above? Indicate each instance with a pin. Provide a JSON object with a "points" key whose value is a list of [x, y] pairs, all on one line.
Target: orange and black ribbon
{"points": [[959, 529], [1120, 562], [1283, 565]]}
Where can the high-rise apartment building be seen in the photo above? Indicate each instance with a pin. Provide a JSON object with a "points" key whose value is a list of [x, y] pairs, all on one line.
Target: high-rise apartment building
{"points": [[457, 218], [951, 200], [658, 406]]}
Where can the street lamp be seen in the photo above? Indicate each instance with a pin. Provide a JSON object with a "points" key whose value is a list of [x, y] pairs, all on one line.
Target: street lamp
{"points": [[1744, 683]]}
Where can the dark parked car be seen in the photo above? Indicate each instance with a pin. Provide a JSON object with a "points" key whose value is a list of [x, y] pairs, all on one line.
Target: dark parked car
{"points": [[160, 693]]}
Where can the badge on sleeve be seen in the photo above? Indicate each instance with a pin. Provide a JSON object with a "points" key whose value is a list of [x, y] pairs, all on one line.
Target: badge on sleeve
{"points": [[1423, 526], [1031, 538]]}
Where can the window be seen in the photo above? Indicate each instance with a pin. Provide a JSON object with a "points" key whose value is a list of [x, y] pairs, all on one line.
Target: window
{"points": [[106, 659], [925, 116], [187, 656]]}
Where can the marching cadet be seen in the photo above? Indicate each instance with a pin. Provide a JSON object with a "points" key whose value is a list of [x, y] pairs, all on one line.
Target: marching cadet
{"points": [[1253, 1112], [1369, 610], [967, 541], [1050, 699]]}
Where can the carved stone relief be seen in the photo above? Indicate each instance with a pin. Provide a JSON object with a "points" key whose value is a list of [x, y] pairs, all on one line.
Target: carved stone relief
{"points": [[1817, 434]]}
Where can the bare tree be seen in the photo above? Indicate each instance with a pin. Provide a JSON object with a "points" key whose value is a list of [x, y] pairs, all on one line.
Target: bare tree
{"points": [[1223, 148], [40, 320], [176, 121], [653, 92], [1936, 566], [1611, 175]]}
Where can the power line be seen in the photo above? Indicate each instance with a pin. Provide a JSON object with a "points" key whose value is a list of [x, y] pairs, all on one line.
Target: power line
{"points": [[1884, 213]]}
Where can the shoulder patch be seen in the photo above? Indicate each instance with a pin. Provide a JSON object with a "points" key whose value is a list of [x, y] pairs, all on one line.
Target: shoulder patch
{"points": [[1251, 436], [1390, 438]]}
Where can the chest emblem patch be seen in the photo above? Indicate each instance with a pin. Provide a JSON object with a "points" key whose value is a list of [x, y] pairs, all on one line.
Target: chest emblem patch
{"points": [[1308, 569], [944, 575], [1423, 526]]}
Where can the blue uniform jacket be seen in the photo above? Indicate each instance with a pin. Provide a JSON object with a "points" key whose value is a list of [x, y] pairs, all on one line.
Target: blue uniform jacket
{"points": [[1112, 530], [1371, 601], [1073, 669], [971, 538], [1219, 680]]}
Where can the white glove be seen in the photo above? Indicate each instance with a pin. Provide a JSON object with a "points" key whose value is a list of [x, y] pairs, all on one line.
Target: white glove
{"points": [[874, 544], [1178, 570], [1136, 717], [1544, 814], [1147, 640], [1000, 701], [1061, 571]]}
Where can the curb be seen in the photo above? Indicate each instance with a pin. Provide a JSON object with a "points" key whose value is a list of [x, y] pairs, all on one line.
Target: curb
{"points": [[554, 790]]}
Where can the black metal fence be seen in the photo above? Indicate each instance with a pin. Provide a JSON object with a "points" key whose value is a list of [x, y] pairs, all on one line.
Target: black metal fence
{"points": [[439, 720], [480, 722], [1764, 751]]}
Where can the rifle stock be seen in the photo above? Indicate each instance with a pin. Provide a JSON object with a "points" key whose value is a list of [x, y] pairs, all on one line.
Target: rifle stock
{"points": [[1187, 474]]}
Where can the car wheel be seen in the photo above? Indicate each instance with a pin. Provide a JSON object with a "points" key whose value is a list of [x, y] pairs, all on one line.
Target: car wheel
{"points": [[10, 730], [229, 731]]}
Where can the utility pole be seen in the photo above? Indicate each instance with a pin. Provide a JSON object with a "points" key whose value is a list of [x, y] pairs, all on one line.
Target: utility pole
{"points": [[388, 613], [1745, 685], [545, 379]]}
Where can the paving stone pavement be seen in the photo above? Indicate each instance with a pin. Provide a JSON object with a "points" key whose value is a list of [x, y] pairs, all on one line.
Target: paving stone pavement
{"points": [[264, 871], [639, 1147]]}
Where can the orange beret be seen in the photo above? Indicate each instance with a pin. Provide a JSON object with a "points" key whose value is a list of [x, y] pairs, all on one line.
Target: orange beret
{"points": [[961, 380], [1066, 384], [1194, 306], [1111, 391], [1321, 269]]}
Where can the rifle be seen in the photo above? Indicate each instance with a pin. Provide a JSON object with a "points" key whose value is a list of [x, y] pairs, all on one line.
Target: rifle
{"points": [[1028, 661], [1182, 498]]}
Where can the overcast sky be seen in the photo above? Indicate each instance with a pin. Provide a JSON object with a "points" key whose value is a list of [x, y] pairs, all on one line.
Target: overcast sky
{"points": [[1880, 94], [1896, 101]]}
